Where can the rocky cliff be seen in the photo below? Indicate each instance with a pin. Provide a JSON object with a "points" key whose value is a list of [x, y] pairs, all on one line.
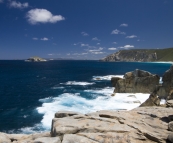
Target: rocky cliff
{"points": [[141, 55]]}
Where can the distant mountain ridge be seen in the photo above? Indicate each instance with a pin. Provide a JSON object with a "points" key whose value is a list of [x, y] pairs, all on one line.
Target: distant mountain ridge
{"points": [[141, 55]]}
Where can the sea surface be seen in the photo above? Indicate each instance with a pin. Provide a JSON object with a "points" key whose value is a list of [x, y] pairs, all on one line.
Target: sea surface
{"points": [[31, 92]]}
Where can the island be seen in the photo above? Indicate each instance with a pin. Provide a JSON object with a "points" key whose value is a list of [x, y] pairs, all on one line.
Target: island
{"points": [[35, 59]]}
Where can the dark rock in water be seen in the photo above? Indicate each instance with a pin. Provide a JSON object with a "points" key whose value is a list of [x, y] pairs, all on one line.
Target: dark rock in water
{"points": [[153, 100], [138, 81], [114, 80]]}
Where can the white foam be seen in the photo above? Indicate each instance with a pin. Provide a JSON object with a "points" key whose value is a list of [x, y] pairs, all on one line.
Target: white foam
{"points": [[107, 77], [61, 87], [77, 83], [74, 102], [163, 101], [160, 81]]}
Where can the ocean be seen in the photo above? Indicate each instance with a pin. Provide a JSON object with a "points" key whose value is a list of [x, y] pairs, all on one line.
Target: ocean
{"points": [[31, 92]]}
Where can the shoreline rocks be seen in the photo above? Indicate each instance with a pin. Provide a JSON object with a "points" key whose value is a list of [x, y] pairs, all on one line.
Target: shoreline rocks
{"points": [[140, 125]]}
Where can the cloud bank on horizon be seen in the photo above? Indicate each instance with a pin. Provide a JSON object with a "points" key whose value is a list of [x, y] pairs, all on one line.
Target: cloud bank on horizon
{"points": [[83, 30]]}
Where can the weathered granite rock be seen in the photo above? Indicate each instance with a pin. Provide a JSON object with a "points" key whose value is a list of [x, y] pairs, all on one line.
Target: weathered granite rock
{"points": [[4, 138], [170, 137], [62, 114], [153, 100], [114, 80], [144, 124], [169, 103], [47, 140], [138, 81], [168, 82], [170, 126]]}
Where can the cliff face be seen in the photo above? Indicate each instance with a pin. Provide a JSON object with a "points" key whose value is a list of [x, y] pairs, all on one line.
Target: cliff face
{"points": [[139, 55]]}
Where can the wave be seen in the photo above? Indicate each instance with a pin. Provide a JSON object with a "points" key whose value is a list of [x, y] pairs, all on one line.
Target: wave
{"points": [[107, 77], [77, 83], [74, 102]]}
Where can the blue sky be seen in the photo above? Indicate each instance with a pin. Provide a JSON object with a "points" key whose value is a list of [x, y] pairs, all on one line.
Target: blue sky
{"points": [[82, 29]]}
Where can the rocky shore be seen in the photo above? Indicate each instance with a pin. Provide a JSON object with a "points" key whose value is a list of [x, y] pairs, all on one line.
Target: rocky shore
{"points": [[149, 123]]}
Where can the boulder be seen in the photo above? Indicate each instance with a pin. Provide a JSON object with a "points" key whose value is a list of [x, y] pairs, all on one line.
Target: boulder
{"points": [[170, 137], [114, 81], [138, 81], [170, 126], [168, 81], [153, 100], [169, 103], [62, 114]]}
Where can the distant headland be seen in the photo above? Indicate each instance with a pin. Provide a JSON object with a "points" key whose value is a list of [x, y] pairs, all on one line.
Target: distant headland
{"points": [[35, 59], [141, 55]]}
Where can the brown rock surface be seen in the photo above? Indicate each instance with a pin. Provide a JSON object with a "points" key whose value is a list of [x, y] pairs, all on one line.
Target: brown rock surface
{"points": [[138, 81]]}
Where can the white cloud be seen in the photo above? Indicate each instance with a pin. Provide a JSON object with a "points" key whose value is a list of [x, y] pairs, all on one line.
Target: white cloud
{"points": [[68, 54], [96, 50], [35, 16], [132, 36], [116, 31], [35, 38], [84, 34], [112, 48], [114, 42], [124, 25], [84, 45], [98, 53], [15, 4], [127, 47], [80, 54], [98, 43], [95, 39], [44, 39]]}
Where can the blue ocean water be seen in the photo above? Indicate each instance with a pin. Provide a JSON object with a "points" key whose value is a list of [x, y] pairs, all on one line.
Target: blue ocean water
{"points": [[31, 92]]}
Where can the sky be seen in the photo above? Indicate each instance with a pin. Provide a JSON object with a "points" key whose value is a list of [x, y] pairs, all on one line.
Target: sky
{"points": [[83, 29]]}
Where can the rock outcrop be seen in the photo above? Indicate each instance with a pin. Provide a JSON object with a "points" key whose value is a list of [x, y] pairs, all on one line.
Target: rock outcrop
{"points": [[138, 81], [140, 55]]}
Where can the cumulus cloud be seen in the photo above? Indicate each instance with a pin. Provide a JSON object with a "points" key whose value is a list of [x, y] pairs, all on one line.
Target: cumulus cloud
{"points": [[116, 31], [124, 25], [132, 36], [35, 16], [84, 34], [127, 47], [95, 39], [112, 48], [15, 4], [44, 39]]}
